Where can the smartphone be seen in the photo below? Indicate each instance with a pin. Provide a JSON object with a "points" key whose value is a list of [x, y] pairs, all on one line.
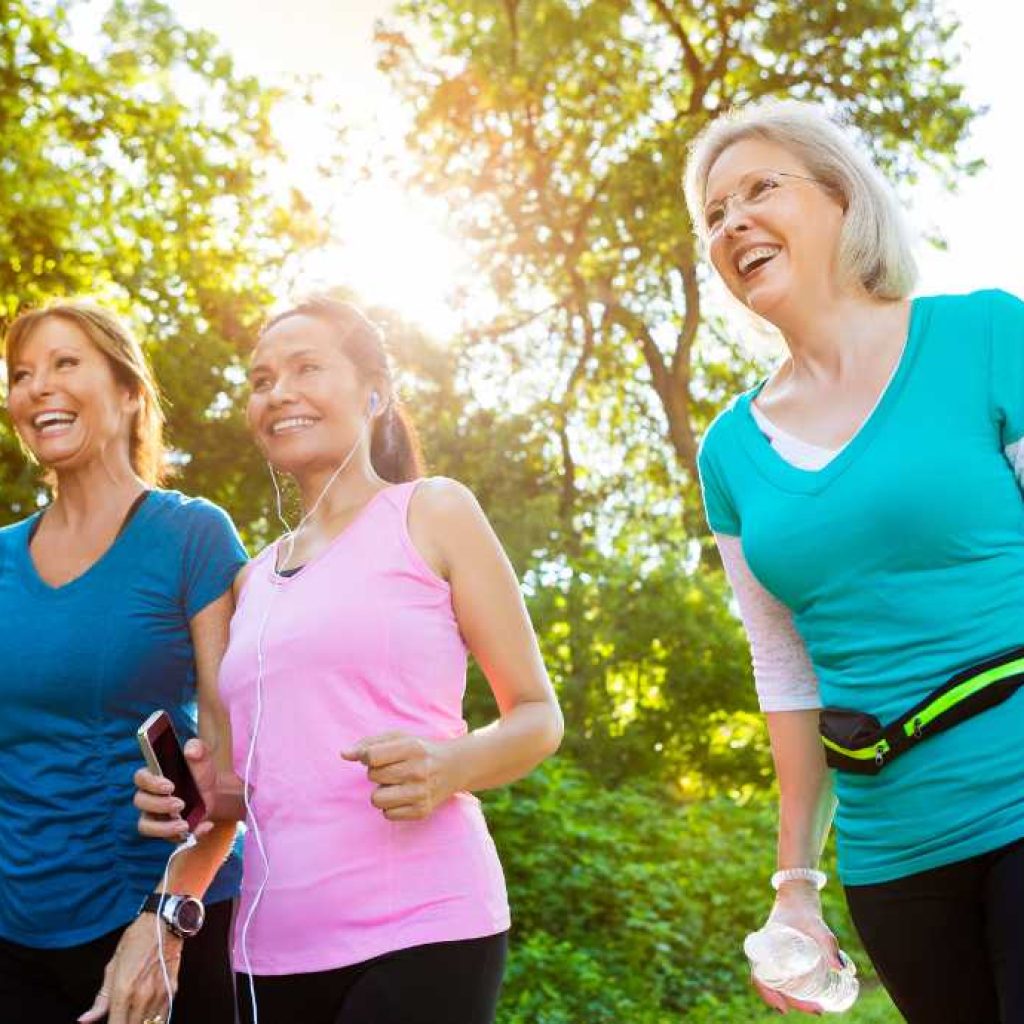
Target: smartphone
{"points": [[164, 756]]}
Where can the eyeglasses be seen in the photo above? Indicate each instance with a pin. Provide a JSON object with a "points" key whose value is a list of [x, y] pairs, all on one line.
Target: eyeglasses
{"points": [[754, 190]]}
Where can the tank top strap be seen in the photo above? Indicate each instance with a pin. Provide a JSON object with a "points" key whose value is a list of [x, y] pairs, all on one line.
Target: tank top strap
{"points": [[400, 495], [256, 576], [270, 551]]}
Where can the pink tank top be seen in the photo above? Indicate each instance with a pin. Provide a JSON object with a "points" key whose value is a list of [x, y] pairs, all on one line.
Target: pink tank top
{"points": [[363, 640]]}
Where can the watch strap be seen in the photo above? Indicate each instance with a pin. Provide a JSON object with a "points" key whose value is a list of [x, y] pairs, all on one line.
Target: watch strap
{"points": [[165, 905]]}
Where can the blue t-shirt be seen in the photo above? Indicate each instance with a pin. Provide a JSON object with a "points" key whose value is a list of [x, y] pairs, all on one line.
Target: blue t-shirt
{"points": [[81, 666], [902, 561]]}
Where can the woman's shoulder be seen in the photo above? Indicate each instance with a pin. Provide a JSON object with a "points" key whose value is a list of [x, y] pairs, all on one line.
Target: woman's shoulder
{"points": [[19, 526], [15, 533], [716, 438], [441, 510], [189, 512], [441, 499], [441, 491], [990, 300]]}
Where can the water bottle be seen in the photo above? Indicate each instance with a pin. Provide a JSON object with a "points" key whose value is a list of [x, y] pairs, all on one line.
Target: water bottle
{"points": [[792, 963]]}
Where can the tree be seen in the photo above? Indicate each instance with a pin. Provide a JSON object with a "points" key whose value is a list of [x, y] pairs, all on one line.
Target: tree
{"points": [[137, 167], [558, 130]]}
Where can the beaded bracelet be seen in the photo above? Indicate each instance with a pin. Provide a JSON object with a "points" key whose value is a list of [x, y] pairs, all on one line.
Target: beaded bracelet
{"points": [[819, 878]]}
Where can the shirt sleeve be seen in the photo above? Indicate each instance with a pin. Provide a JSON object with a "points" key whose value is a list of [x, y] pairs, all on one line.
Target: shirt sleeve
{"points": [[783, 674], [213, 556], [1007, 364], [719, 508]]}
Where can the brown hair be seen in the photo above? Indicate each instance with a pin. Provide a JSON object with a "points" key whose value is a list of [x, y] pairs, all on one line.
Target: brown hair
{"points": [[127, 362], [394, 446]]}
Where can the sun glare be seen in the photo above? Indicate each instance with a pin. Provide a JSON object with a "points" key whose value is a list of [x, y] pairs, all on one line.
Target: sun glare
{"points": [[395, 251], [393, 247]]}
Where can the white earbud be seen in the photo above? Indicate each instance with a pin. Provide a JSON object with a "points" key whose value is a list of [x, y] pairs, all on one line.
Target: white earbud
{"points": [[374, 402]]}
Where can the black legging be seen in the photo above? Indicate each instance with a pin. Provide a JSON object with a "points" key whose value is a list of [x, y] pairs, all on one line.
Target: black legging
{"points": [[55, 986], [449, 982], [948, 943]]}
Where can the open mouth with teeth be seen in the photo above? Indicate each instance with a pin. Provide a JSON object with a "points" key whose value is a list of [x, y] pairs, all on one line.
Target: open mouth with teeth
{"points": [[291, 425], [754, 259], [54, 422]]}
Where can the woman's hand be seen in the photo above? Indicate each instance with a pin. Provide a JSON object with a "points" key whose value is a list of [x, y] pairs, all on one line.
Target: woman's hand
{"points": [[161, 809], [799, 906], [413, 776], [133, 987]]}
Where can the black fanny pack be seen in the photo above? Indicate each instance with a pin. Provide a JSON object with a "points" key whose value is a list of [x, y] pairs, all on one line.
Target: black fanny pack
{"points": [[858, 742]]}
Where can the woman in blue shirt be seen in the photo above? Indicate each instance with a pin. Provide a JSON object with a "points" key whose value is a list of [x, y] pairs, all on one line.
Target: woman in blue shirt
{"points": [[866, 500], [114, 601]]}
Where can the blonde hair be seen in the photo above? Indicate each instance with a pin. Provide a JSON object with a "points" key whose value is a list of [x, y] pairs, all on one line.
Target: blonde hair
{"points": [[127, 362], [875, 241]]}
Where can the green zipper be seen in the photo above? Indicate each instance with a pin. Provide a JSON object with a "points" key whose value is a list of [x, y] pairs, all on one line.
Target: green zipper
{"points": [[878, 751], [966, 689]]}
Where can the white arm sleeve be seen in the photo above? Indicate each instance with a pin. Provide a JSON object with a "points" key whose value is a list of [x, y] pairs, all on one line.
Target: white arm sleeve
{"points": [[783, 673], [1015, 456]]}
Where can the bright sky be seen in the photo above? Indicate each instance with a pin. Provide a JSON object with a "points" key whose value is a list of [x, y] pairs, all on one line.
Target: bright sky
{"points": [[394, 241]]}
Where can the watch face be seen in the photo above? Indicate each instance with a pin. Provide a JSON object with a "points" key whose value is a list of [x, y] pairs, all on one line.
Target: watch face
{"points": [[189, 915]]}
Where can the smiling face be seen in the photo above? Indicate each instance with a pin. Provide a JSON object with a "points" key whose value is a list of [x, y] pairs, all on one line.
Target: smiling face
{"points": [[307, 404], [773, 234], [64, 399]]}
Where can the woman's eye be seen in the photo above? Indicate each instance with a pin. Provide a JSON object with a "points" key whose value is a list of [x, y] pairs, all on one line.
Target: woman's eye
{"points": [[761, 188], [18, 376], [714, 218], [308, 367], [66, 361], [259, 383]]}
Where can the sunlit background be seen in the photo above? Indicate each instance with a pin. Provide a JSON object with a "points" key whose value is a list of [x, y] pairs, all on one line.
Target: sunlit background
{"points": [[648, 840], [396, 249]]}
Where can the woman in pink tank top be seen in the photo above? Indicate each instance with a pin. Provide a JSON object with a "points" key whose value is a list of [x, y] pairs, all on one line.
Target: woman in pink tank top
{"points": [[372, 892]]}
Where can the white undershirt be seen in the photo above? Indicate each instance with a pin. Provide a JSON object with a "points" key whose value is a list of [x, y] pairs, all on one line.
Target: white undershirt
{"points": [[783, 674], [801, 454]]}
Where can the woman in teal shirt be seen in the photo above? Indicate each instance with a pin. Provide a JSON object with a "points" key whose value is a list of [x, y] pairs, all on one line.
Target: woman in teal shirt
{"points": [[114, 601], [866, 502]]}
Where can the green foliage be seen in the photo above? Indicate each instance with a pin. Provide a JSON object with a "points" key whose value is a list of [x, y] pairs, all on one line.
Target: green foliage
{"points": [[137, 169], [872, 1007], [558, 129], [652, 671], [631, 906]]}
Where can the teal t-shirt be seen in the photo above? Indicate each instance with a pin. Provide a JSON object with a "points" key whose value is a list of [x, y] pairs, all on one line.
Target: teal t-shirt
{"points": [[81, 666], [902, 561]]}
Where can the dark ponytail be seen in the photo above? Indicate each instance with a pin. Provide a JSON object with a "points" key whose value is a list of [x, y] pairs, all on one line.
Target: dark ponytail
{"points": [[394, 445]]}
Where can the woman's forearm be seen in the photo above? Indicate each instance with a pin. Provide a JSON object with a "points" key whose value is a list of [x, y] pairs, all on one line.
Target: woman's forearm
{"points": [[806, 801], [508, 749], [193, 870], [804, 822]]}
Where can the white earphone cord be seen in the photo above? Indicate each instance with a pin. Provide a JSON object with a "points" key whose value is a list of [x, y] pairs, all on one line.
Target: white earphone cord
{"points": [[292, 536], [188, 844]]}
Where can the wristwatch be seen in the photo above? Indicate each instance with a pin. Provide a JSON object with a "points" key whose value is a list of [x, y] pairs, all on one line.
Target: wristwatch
{"points": [[183, 915]]}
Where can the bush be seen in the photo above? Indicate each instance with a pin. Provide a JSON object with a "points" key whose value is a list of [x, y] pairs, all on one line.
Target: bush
{"points": [[629, 906], [873, 1007]]}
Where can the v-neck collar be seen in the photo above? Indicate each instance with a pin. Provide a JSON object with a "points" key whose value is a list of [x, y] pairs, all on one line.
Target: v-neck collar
{"points": [[792, 478], [283, 581], [31, 573]]}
